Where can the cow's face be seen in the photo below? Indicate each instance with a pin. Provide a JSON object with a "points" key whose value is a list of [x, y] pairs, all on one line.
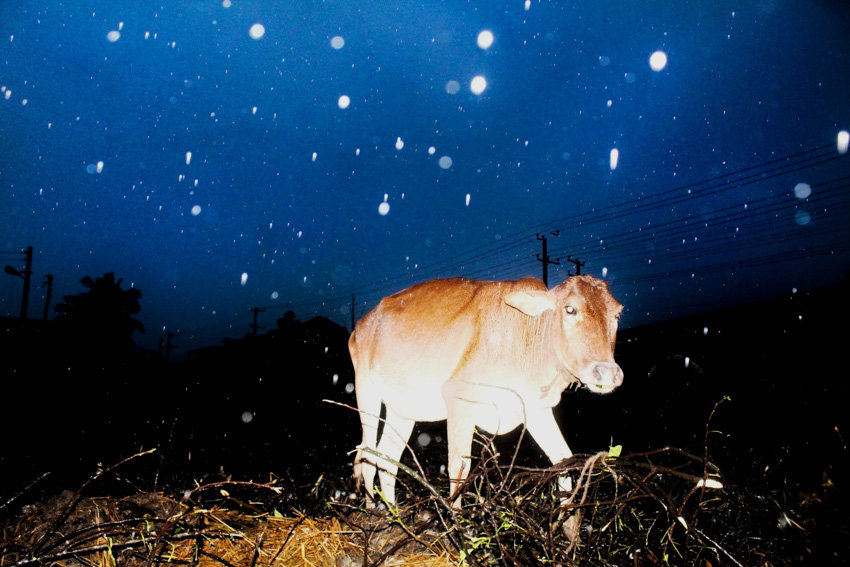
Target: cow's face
{"points": [[585, 330], [589, 315]]}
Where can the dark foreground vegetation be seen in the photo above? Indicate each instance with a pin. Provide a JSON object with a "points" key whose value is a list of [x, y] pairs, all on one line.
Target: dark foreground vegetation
{"points": [[731, 425]]}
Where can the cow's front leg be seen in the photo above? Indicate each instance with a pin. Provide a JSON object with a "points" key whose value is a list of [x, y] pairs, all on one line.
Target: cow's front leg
{"points": [[547, 434], [459, 432], [460, 426], [545, 431]]}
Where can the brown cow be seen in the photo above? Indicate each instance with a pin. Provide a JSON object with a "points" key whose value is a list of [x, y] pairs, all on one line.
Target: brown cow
{"points": [[488, 354]]}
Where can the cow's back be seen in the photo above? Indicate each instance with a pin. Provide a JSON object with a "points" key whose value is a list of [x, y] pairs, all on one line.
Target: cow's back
{"points": [[417, 339]]}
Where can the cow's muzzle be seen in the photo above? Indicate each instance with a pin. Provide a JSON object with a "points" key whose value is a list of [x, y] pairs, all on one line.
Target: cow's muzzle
{"points": [[603, 377]]}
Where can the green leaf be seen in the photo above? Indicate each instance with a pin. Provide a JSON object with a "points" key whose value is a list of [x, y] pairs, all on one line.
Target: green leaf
{"points": [[614, 451]]}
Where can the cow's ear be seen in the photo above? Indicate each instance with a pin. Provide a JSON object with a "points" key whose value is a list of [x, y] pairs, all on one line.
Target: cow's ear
{"points": [[532, 303]]}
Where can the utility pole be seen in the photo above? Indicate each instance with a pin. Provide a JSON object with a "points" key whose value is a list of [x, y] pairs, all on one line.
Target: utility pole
{"points": [[48, 283], [254, 325], [544, 256], [575, 262], [168, 346], [25, 275]]}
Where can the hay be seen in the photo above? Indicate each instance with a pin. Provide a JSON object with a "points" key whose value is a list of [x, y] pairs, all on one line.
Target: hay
{"points": [[659, 507], [153, 529]]}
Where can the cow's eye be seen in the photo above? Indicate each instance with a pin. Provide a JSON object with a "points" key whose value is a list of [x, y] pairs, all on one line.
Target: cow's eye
{"points": [[570, 310]]}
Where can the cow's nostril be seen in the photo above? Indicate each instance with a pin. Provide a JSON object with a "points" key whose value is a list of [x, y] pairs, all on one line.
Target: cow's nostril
{"points": [[608, 374]]}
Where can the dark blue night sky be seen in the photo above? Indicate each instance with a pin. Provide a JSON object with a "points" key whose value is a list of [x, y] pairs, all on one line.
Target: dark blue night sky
{"points": [[216, 164]]}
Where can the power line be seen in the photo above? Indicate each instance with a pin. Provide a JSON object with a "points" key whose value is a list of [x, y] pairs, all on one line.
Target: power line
{"points": [[751, 214]]}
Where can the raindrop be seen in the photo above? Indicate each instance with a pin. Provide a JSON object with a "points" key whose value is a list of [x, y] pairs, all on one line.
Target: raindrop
{"points": [[247, 417], [614, 159], [343, 102], [349, 388], [337, 42], [196, 210], [802, 190], [188, 158], [399, 143], [478, 84], [658, 60], [445, 162], [485, 39], [452, 87], [257, 31], [113, 36], [843, 140], [383, 208], [802, 218], [431, 150], [423, 440], [99, 167], [244, 278], [467, 199]]}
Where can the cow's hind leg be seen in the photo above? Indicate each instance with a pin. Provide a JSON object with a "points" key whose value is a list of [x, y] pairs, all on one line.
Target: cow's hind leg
{"points": [[369, 406], [394, 438]]}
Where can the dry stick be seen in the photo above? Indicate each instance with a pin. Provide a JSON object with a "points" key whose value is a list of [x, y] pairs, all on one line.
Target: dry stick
{"points": [[78, 553], [718, 546], [420, 478], [286, 541], [257, 547], [415, 460], [665, 499], [221, 560], [173, 517], [78, 496], [24, 490], [85, 535], [701, 488], [401, 543]]}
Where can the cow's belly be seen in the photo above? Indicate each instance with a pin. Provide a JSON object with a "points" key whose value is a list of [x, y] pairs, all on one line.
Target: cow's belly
{"points": [[495, 409], [498, 421], [418, 401]]}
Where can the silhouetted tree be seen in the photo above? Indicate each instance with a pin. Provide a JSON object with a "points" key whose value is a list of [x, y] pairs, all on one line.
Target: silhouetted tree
{"points": [[102, 317]]}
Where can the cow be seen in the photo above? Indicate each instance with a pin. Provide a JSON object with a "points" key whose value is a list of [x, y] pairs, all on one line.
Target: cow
{"points": [[486, 354]]}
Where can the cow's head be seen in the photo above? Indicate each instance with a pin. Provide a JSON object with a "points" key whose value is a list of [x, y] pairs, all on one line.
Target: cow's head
{"points": [[585, 328]]}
